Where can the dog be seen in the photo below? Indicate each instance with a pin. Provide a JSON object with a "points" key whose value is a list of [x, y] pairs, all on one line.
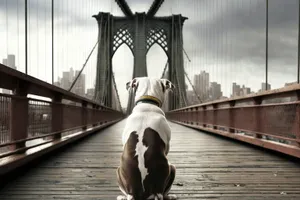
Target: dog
{"points": [[144, 171]]}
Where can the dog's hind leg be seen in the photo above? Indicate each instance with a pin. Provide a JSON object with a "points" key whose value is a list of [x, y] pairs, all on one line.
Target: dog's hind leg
{"points": [[122, 188], [170, 181]]}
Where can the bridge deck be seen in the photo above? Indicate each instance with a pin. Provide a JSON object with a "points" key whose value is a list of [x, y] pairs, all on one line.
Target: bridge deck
{"points": [[207, 167]]}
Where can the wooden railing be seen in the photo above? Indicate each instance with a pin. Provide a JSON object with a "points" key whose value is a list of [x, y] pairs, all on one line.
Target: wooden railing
{"points": [[42, 124], [270, 119]]}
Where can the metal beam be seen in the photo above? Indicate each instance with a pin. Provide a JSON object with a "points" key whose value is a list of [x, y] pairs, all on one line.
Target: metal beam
{"points": [[154, 7], [124, 7]]}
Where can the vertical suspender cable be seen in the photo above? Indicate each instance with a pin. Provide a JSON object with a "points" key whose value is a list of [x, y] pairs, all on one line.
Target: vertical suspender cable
{"points": [[18, 30], [298, 68], [6, 21], [267, 41], [38, 38], [52, 39], [26, 39]]}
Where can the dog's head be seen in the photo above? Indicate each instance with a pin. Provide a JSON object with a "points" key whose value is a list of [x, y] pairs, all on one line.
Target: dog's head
{"points": [[150, 87]]}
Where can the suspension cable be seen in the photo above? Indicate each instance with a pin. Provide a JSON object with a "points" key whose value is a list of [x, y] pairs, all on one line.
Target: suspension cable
{"points": [[186, 75], [164, 71], [193, 87], [83, 66], [116, 89]]}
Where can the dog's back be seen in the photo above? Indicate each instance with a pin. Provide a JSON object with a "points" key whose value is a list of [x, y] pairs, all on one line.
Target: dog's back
{"points": [[148, 177], [144, 165]]}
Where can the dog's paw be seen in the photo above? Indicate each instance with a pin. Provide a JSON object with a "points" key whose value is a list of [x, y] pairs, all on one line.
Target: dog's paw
{"points": [[121, 197], [170, 197]]}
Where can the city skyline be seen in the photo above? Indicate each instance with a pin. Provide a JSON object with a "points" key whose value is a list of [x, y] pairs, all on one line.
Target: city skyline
{"points": [[206, 90], [224, 38]]}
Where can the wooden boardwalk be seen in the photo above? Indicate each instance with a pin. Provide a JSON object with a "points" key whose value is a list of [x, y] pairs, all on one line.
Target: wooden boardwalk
{"points": [[208, 167]]}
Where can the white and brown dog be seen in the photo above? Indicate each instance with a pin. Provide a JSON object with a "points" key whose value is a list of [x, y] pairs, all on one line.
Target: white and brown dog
{"points": [[145, 172]]}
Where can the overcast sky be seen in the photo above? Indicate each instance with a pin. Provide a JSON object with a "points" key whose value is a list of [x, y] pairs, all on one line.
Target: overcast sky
{"points": [[224, 37]]}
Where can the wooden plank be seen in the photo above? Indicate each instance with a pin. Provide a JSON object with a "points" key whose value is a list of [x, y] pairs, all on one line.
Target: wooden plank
{"points": [[208, 167]]}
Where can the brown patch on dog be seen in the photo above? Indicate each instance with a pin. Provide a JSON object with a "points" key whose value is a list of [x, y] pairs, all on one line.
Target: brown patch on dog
{"points": [[156, 163], [129, 176]]}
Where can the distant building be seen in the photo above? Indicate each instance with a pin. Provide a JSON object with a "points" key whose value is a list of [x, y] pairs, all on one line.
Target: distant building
{"points": [[79, 87], [10, 61], [245, 90], [90, 93], [4, 61], [67, 79], [192, 97], [215, 91], [237, 90], [289, 84], [201, 84], [265, 87]]}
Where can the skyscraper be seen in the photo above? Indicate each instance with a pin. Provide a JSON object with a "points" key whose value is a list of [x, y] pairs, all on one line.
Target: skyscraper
{"points": [[265, 87], [215, 91], [10, 62], [201, 83], [4, 61], [236, 89], [79, 87]]}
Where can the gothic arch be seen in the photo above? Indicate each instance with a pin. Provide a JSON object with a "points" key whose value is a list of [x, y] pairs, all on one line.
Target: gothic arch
{"points": [[122, 36], [157, 36]]}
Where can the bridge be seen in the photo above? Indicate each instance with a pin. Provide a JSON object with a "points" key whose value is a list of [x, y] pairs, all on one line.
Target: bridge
{"points": [[233, 137]]}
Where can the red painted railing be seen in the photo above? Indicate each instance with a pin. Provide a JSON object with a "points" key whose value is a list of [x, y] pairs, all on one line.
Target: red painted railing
{"points": [[270, 119], [30, 123]]}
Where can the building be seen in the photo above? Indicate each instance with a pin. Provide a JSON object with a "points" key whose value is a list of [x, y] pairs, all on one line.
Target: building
{"points": [[215, 91], [66, 81], [10, 61], [245, 90], [237, 90], [201, 84], [192, 97], [79, 87], [289, 84], [90, 93], [265, 87], [4, 61]]}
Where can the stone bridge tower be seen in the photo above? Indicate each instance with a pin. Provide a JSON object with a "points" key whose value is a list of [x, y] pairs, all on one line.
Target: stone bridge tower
{"points": [[139, 32]]}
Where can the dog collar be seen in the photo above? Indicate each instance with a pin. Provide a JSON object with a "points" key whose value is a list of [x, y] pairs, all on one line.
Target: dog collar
{"points": [[149, 99]]}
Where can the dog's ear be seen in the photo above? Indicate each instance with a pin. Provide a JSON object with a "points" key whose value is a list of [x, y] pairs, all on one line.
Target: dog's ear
{"points": [[131, 84], [167, 85]]}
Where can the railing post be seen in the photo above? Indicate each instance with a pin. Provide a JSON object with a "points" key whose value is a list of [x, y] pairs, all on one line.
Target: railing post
{"points": [[215, 106], [19, 115], [84, 121], [195, 116], [257, 102], [204, 116], [94, 114], [231, 116], [297, 120], [57, 116]]}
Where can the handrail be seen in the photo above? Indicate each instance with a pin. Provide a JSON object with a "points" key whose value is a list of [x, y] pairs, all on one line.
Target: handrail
{"points": [[11, 78], [53, 122], [259, 95], [255, 119]]}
